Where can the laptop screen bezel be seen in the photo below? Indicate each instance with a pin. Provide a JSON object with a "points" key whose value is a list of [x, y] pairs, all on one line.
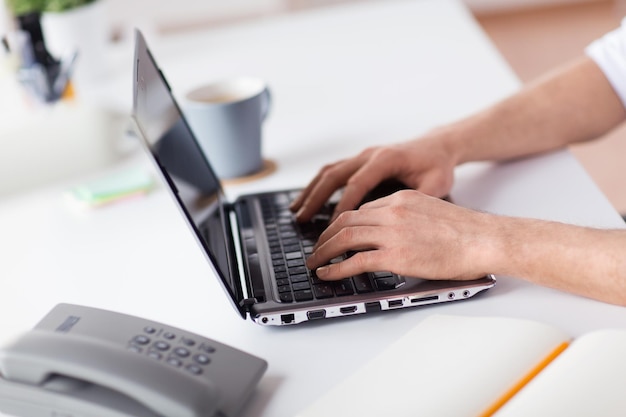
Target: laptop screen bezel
{"points": [[235, 291]]}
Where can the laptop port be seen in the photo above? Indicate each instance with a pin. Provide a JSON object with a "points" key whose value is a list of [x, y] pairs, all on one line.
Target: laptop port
{"points": [[316, 314], [423, 299], [395, 303], [287, 318], [347, 310], [372, 306]]}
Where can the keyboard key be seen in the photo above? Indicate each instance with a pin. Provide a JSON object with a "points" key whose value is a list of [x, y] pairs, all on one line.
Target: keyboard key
{"points": [[297, 270], [362, 283], [304, 295], [291, 248], [293, 255], [297, 286], [324, 290], [386, 283], [344, 287], [284, 288], [282, 281], [292, 242], [285, 297], [299, 278], [295, 262]]}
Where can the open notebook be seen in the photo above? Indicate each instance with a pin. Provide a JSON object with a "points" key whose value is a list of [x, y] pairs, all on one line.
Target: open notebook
{"points": [[484, 366]]}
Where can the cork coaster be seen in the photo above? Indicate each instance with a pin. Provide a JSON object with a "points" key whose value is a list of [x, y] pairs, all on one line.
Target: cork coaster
{"points": [[269, 167]]}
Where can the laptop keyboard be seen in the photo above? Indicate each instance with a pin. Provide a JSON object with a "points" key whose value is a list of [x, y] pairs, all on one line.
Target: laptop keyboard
{"points": [[291, 243]]}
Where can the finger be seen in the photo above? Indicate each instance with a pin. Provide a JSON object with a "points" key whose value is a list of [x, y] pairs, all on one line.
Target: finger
{"points": [[346, 220], [360, 263], [362, 181], [354, 238], [328, 181], [377, 204], [297, 203]]}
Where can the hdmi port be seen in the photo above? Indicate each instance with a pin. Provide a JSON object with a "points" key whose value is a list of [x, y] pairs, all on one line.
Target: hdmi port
{"points": [[347, 310]]}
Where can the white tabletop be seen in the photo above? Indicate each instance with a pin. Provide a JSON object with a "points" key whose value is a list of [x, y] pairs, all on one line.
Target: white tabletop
{"points": [[342, 79]]}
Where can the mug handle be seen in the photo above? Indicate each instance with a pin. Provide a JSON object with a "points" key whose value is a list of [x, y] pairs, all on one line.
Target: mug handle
{"points": [[266, 103]]}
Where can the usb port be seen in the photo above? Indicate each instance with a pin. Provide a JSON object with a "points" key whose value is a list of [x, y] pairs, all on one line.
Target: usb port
{"points": [[347, 310], [395, 303]]}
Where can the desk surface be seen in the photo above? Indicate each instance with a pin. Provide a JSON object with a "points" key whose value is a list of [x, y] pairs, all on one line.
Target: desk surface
{"points": [[342, 79]]}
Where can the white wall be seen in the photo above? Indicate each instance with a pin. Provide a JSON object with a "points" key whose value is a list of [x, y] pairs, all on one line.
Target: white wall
{"points": [[168, 14], [491, 6]]}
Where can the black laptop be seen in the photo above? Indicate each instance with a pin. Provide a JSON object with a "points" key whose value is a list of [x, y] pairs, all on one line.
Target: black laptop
{"points": [[254, 244]]}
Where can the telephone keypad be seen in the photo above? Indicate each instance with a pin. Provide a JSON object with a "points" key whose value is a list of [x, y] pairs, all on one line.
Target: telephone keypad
{"points": [[161, 346]]}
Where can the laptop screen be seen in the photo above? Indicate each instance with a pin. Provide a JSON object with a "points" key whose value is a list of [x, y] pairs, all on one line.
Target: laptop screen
{"points": [[182, 163]]}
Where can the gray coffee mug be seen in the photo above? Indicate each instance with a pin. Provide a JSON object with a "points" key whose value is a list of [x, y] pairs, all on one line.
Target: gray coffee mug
{"points": [[227, 117]]}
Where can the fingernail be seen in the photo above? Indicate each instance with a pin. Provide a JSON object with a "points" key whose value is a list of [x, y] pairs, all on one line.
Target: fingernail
{"points": [[322, 271]]}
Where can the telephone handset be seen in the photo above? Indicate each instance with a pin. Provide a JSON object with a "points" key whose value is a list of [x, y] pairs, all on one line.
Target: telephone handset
{"points": [[81, 361]]}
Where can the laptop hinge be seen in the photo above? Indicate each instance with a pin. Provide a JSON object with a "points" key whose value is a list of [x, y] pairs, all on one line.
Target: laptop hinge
{"points": [[246, 303]]}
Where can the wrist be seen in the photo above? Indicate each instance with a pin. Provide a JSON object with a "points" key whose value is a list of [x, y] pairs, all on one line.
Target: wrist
{"points": [[493, 248], [457, 139]]}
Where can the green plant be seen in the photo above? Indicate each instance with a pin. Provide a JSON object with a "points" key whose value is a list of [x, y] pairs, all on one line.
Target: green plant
{"points": [[62, 5], [21, 7]]}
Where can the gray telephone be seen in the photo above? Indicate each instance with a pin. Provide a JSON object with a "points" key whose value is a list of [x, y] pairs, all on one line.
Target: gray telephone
{"points": [[86, 362]]}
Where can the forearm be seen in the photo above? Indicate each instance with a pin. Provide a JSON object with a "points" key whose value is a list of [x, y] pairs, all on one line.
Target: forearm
{"points": [[584, 261], [571, 105]]}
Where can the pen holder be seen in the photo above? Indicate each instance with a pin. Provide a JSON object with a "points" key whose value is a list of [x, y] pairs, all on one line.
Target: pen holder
{"points": [[84, 30]]}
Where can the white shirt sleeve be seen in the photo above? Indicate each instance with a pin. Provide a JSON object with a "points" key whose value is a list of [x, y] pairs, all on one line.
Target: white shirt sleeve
{"points": [[609, 53]]}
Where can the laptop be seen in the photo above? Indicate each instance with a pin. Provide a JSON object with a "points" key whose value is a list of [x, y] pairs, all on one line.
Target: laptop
{"points": [[254, 244]]}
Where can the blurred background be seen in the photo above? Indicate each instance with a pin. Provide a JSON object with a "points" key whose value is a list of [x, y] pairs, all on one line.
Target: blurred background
{"points": [[532, 35]]}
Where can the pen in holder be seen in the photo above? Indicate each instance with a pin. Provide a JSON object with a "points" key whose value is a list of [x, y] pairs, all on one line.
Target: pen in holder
{"points": [[44, 77]]}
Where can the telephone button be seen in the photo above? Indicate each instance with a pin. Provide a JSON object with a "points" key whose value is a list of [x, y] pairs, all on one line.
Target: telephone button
{"points": [[155, 355], [169, 335], [188, 342], [194, 369], [182, 352], [142, 340], [174, 362], [161, 345], [207, 348], [202, 359], [135, 348], [149, 329]]}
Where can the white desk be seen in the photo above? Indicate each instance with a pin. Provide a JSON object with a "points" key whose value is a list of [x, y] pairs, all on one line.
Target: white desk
{"points": [[342, 79]]}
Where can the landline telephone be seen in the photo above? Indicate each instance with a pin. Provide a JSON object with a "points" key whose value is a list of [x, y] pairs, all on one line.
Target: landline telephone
{"points": [[85, 362]]}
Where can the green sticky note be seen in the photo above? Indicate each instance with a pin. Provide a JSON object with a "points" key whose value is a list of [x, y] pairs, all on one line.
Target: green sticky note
{"points": [[113, 187]]}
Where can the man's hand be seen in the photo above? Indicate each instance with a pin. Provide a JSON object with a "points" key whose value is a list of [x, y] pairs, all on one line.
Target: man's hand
{"points": [[423, 164], [408, 233]]}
